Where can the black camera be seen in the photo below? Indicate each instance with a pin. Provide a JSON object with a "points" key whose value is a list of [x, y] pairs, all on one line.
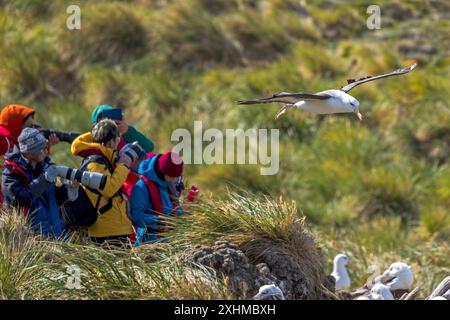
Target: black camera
{"points": [[180, 185], [133, 150], [62, 136]]}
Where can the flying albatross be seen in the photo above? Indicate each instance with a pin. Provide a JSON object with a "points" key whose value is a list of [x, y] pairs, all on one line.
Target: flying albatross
{"points": [[325, 102]]}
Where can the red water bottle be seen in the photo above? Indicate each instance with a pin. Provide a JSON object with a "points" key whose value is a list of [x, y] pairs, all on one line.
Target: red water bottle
{"points": [[193, 193]]}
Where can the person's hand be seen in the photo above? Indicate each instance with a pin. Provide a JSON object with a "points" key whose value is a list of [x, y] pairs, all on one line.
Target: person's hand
{"points": [[51, 173], [72, 190], [126, 160], [123, 126], [73, 183], [52, 140]]}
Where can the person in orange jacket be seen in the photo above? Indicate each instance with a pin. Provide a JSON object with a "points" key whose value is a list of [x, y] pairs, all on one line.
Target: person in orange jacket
{"points": [[13, 118]]}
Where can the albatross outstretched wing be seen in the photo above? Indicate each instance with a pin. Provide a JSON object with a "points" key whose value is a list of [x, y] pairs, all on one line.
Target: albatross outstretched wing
{"points": [[353, 83], [287, 98]]}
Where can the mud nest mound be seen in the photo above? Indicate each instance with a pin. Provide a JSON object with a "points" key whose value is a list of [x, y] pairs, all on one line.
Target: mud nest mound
{"points": [[245, 276]]}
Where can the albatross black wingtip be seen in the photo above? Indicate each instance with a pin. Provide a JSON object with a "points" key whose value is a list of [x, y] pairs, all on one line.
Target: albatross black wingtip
{"points": [[247, 102]]}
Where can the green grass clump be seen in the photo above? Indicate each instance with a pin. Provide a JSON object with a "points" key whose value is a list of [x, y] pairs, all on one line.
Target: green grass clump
{"points": [[391, 192], [268, 230], [34, 268], [193, 40], [259, 38], [340, 22], [121, 274], [110, 34], [35, 72], [23, 259], [105, 86], [429, 139]]}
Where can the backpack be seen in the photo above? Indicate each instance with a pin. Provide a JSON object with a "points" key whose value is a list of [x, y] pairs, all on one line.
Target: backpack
{"points": [[17, 169], [80, 212]]}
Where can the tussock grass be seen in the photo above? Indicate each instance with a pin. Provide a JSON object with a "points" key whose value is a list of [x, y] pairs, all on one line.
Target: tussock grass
{"points": [[341, 22], [34, 268], [119, 274], [111, 34], [105, 86], [193, 40], [258, 38], [170, 62], [268, 230], [34, 72], [23, 259]]}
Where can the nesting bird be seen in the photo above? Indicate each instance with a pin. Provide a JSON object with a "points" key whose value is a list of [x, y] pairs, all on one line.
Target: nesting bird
{"points": [[380, 292], [340, 272], [269, 292], [398, 277], [438, 298], [324, 102], [442, 291]]}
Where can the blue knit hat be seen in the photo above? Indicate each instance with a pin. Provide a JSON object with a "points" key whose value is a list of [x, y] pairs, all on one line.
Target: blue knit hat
{"points": [[32, 140]]}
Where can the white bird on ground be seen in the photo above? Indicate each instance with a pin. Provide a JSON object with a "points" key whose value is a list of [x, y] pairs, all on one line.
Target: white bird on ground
{"points": [[269, 292], [442, 291], [398, 277], [325, 102], [380, 292], [340, 272], [438, 298]]}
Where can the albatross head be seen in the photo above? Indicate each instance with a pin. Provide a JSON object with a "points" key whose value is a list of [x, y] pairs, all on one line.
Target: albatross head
{"points": [[398, 276], [354, 105], [340, 261], [381, 292], [269, 292]]}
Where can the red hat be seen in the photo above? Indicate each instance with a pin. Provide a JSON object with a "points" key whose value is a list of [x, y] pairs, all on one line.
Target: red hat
{"points": [[171, 164]]}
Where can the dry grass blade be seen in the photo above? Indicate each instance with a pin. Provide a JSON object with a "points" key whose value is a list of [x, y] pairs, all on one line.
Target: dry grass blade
{"points": [[412, 294]]}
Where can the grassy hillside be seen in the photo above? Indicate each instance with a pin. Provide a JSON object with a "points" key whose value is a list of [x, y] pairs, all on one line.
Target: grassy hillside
{"points": [[378, 190]]}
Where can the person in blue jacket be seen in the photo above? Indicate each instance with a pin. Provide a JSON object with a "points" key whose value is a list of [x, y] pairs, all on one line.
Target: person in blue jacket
{"points": [[156, 195], [28, 183]]}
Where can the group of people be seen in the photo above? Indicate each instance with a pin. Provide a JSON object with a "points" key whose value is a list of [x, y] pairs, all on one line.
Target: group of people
{"points": [[140, 187]]}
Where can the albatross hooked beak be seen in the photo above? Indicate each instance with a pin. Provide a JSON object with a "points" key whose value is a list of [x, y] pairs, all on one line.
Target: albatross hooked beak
{"points": [[358, 114]]}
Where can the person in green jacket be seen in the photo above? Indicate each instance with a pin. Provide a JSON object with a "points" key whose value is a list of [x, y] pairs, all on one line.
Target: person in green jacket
{"points": [[129, 133]]}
